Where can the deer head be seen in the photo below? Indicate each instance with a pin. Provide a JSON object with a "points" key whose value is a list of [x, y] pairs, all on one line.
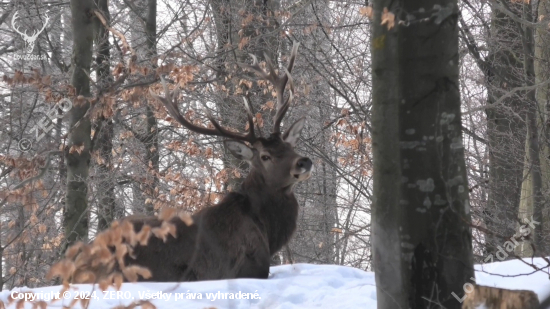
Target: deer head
{"points": [[29, 39], [273, 160]]}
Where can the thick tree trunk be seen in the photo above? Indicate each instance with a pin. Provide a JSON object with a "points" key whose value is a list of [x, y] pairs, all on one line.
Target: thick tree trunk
{"points": [[77, 152], [422, 243]]}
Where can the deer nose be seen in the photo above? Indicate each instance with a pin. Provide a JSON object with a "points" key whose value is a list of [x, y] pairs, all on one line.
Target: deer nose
{"points": [[304, 163]]}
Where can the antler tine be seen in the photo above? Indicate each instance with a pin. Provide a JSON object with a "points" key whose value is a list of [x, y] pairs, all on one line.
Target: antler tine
{"points": [[272, 75], [250, 116], [171, 105], [255, 67], [293, 55], [279, 83], [282, 108]]}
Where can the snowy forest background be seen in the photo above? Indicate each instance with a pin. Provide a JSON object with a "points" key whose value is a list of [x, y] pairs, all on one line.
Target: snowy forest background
{"points": [[130, 157]]}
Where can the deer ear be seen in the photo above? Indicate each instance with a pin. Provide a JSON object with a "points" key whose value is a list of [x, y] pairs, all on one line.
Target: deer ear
{"points": [[291, 135], [239, 150]]}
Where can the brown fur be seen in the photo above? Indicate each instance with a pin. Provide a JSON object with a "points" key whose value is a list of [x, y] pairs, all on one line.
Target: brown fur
{"points": [[495, 298]]}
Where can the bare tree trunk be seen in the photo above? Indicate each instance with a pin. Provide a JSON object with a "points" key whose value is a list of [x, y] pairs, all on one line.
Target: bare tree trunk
{"points": [[534, 182], [421, 240], [505, 130], [146, 47], [151, 140], [77, 152], [542, 73], [106, 207]]}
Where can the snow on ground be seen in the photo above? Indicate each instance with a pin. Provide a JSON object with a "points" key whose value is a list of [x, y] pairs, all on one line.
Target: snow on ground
{"points": [[516, 275], [289, 286]]}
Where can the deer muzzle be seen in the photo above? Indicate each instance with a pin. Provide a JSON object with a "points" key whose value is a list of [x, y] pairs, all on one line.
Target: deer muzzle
{"points": [[302, 169]]}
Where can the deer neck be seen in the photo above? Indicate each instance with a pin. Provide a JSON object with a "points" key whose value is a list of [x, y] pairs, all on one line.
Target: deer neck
{"points": [[277, 210]]}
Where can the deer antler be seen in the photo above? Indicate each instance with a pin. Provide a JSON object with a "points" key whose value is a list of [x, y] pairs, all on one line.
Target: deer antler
{"points": [[278, 82], [170, 102]]}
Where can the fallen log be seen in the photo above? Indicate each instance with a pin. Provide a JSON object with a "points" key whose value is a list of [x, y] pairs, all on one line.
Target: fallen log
{"points": [[495, 298]]}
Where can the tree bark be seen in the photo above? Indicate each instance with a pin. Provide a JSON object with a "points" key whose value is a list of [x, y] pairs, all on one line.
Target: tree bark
{"points": [[532, 198], [146, 47], [542, 74], [151, 140], [421, 240], [106, 209], [76, 204], [506, 129]]}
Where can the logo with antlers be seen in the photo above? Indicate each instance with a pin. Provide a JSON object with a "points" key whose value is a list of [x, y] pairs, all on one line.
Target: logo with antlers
{"points": [[29, 39]]}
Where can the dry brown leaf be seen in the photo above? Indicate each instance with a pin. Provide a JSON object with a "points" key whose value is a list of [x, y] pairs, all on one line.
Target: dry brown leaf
{"points": [[117, 281], [63, 269], [85, 277], [33, 219], [73, 250], [143, 272], [244, 41], [42, 228], [186, 218], [167, 213], [388, 19], [130, 273], [104, 284], [75, 148], [128, 232], [170, 227], [143, 235], [120, 252], [366, 11]]}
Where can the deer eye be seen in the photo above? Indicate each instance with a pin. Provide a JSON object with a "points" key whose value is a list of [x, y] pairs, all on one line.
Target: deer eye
{"points": [[265, 158]]}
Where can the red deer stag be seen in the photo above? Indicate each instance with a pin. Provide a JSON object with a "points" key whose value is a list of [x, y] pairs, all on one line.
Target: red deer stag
{"points": [[237, 237]]}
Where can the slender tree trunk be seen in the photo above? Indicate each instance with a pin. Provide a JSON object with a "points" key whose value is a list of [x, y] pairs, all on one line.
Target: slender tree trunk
{"points": [[506, 130], [151, 140], [534, 183], [542, 74], [77, 152], [106, 208], [421, 240], [146, 12]]}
